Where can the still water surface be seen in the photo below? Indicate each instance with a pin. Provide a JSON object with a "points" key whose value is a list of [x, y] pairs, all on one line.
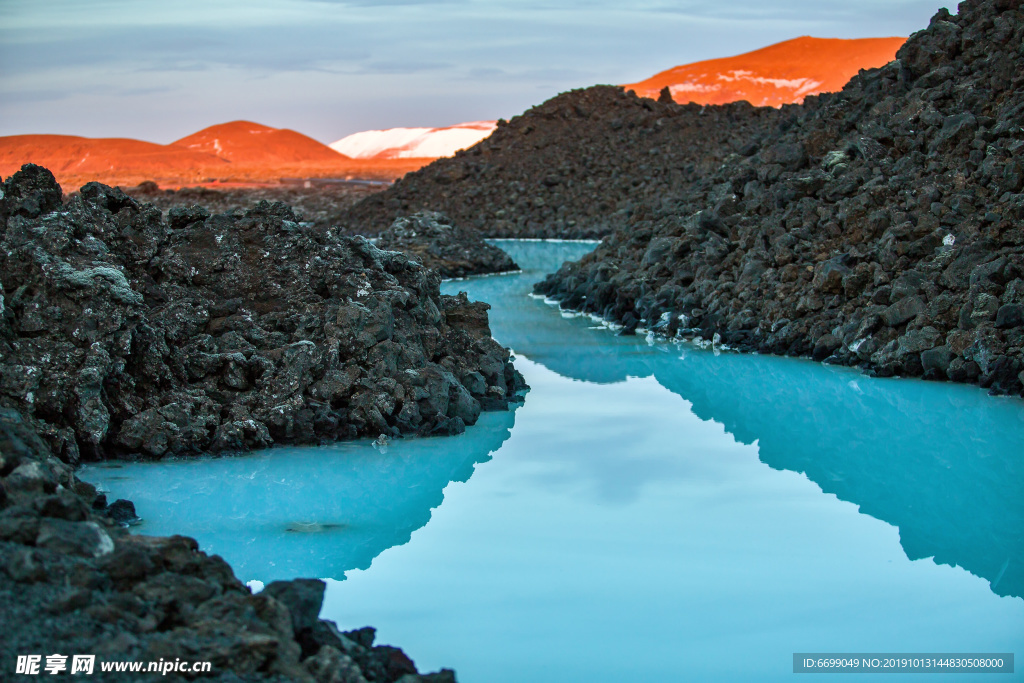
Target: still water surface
{"points": [[653, 512]]}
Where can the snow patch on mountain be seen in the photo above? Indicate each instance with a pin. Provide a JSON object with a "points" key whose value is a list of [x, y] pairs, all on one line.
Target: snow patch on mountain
{"points": [[407, 143]]}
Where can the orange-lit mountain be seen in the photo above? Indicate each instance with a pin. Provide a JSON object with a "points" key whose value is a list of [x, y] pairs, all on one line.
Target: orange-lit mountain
{"points": [[246, 143], [71, 155], [779, 74], [236, 152]]}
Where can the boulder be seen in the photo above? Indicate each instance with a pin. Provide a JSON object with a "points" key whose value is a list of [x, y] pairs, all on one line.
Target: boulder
{"points": [[302, 597], [29, 193], [86, 539], [903, 311], [430, 238], [1010, 316]]}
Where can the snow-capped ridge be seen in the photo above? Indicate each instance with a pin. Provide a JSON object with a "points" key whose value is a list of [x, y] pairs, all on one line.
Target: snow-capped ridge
{"points": [[409, 143]]}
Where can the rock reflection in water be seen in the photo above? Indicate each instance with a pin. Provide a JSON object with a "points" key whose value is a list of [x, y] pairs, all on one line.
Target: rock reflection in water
{"points": [[291, 512], [941, 462]]}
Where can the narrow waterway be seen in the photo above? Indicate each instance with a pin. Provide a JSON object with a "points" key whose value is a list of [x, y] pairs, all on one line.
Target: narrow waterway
{"points": [[653, 512]]}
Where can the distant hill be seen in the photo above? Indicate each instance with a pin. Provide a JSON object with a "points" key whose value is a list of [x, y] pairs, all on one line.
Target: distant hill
{"points": [[782, 73], [245, 143], [72, 155], [410, 143], [239, 152]]}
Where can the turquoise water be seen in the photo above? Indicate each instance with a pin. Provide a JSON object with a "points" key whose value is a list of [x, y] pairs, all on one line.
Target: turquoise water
{"points": [[653, 512]]}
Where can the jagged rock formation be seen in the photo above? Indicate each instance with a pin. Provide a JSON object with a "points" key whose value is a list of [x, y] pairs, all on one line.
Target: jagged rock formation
{"points": [[879, 227], [74, 581], [124, 335], [321, 204], [429, 238], [576, 166]]}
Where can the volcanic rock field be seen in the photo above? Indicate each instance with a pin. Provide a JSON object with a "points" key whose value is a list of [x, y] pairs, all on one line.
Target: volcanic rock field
{"points": [[880, 227]]}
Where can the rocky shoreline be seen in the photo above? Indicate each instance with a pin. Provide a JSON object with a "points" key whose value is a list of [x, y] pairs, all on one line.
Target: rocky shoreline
{"points": [[75, 582], [877, 227], [124, 335]]}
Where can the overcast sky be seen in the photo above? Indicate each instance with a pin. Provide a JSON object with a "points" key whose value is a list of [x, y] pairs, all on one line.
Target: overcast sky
{"points": [[162, 70]]}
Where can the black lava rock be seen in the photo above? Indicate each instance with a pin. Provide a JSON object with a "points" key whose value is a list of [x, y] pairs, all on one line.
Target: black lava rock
{"points": [[302, 597], [577, 166], [429, 238], [122, 512], [30, 193], [124, 335]]}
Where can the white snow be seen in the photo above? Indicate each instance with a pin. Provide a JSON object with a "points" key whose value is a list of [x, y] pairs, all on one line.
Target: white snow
{"points": [[800, 86], [404, 143], [370, 143], [692, 87], [810, 87], [734, 75]]}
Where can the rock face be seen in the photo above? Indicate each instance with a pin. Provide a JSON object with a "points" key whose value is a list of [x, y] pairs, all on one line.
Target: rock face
{"points": [[429, 238], [124, 335], [881, 227], [75, 582], [577, 166]]}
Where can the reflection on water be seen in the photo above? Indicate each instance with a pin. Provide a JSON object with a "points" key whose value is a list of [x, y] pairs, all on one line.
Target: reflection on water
{"points": [[658, 512], [943, 463], [290, 512]]}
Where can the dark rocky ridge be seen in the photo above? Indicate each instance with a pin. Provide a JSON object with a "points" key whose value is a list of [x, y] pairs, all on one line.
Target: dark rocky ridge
{"points": [[576, 166], [73, 581], [322, 203], [124, 335], [429, 238], [881, 227]]}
